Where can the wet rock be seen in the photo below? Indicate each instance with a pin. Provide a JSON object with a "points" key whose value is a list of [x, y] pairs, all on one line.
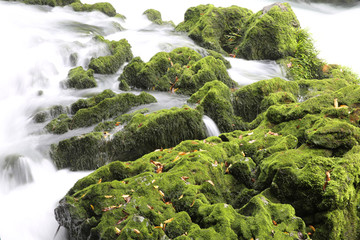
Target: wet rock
{"points": [[155, 17], [214, 28], [120, 53], [78, 78], [96, 109], [251, 100], [269, 34], [183, 71], [103, 7], [92, 101], [214, 98]]}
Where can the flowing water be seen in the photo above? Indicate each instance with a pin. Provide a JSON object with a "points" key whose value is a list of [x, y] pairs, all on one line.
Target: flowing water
{"points": [[36, 46], [211, 128]]}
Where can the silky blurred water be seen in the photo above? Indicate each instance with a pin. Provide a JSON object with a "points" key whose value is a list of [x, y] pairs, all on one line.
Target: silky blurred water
{"points": [[36, 46]]}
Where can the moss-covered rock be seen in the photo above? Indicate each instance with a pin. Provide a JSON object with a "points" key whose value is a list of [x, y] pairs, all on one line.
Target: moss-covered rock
{"points": [[120, 53], [51, 3], [214, 99], [155, 17], [59, 125], [183, 193], [109, 107], [161, 129], [92, 101], [80, 153], [103, 7], [182, 70], [80, 79], [269, 34], [253, 99], [98, 108], [214, 28]]}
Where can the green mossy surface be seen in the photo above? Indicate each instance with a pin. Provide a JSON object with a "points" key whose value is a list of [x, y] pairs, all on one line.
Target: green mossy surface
{"points": [[269, 34], [214, 99], [193, 195], [51, 3], [120, 53], [92, 101], [214, 28], [78, 78], [141, 134], [253, 99], [103, 7], [96, 109], [109, 107], [155, 17], [182, 70], [87, 148]]}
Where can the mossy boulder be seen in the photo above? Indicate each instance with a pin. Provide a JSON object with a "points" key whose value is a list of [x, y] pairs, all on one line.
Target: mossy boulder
{"points": [[78, 78], [92, 101], [59, 125], [155, 17], [109, 107], [251, 100], [214, 99], [98, 108], [161, 129], [80, 153], [269, 34], [103, 7], [51, 112], [183, 70], [192, 194], [51, 3], [214, 28], [120, 53]]}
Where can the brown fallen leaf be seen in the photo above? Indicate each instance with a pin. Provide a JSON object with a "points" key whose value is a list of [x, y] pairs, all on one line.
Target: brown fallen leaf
{"points": [[108, 196], [121, 220], [136, 231], [100, 180]]}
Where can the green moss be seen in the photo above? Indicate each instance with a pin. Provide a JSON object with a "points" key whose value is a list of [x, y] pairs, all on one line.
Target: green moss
{"points": [[253, 99], [109, 107], [182, 70], [80, 79], [103, 7], [51, 3], [80, 153], [304, 64], [269, 34], [214, 100], [59, 125], [214, 28], [165, 128], [92, 101], [155, 17], [120, 53]]}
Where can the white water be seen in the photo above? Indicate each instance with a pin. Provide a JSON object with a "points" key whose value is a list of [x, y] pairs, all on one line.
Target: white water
{"points": [[211, 128], [35, 46]]}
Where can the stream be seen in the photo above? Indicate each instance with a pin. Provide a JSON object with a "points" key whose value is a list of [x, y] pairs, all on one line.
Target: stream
{"points": [[36, 44]]}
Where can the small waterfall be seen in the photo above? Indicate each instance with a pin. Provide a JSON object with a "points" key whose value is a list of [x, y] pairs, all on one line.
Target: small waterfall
{"points": [[15, 171], [211, 128]]}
